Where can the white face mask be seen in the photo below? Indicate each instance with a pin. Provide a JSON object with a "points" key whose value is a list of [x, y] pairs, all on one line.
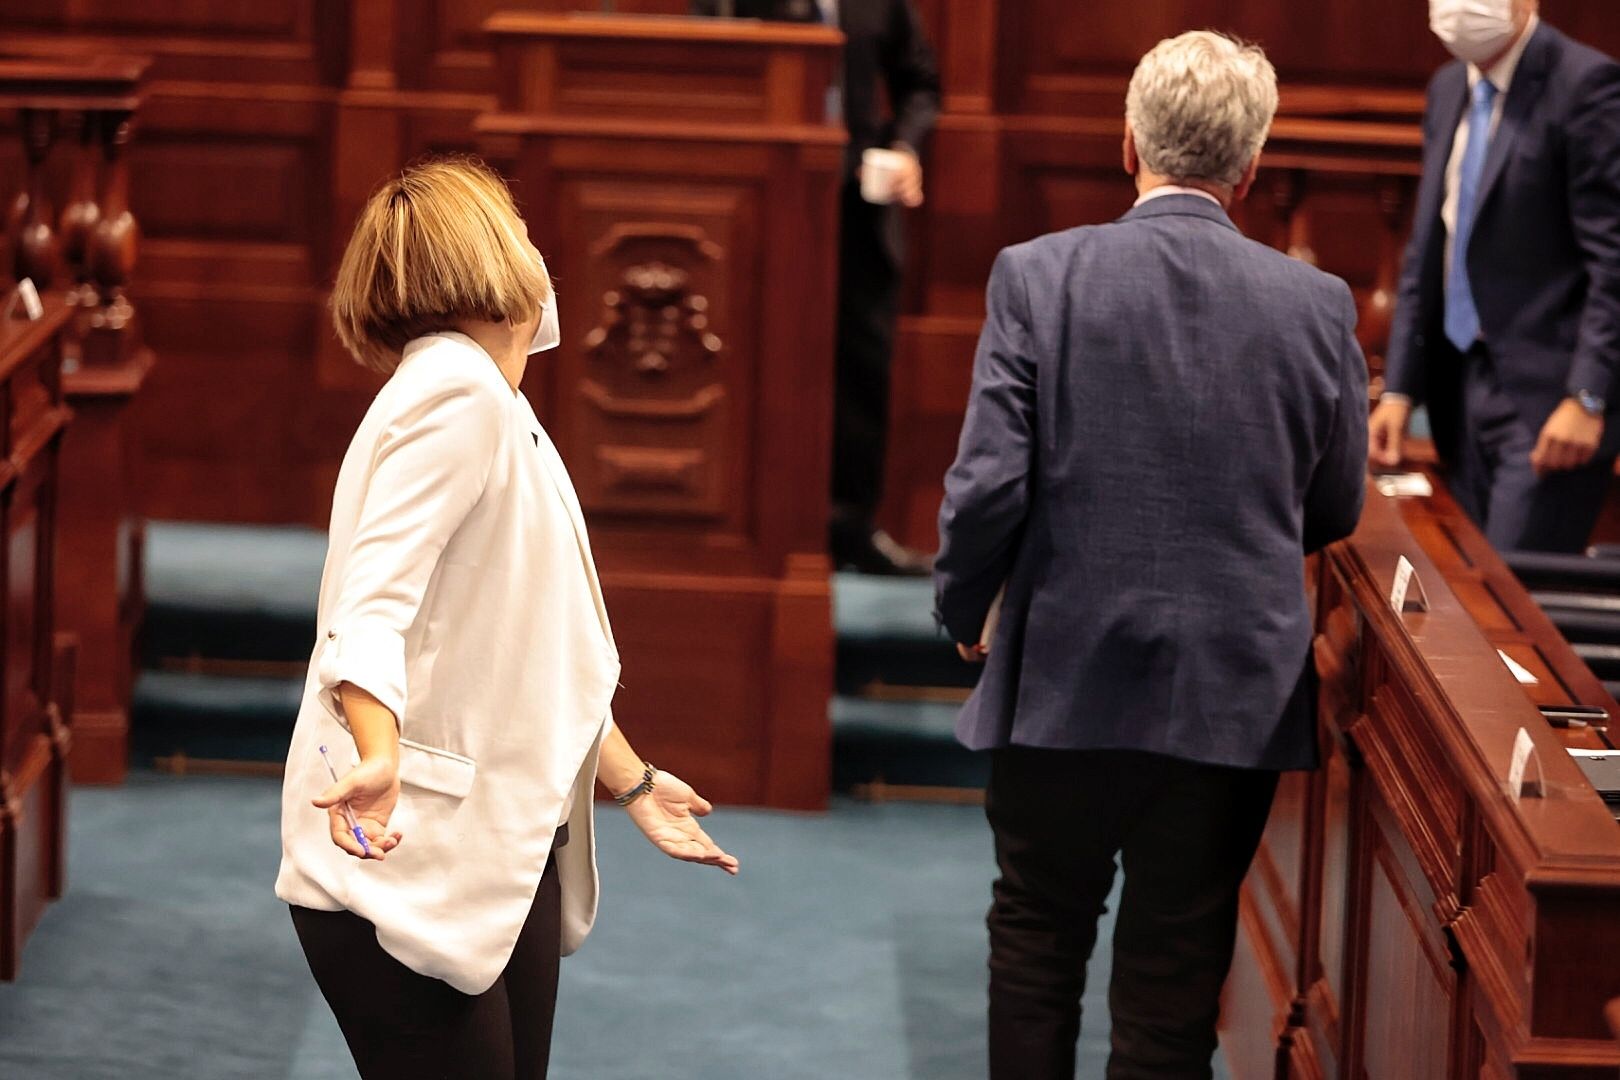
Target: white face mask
{"points": [[1473, 30], [548, 333]]}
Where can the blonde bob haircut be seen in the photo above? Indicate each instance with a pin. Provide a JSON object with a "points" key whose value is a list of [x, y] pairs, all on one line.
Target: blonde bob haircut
{"points": [[439, 244]]}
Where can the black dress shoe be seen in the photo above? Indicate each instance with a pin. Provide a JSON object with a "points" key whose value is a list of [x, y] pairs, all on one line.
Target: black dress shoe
{"points": [[874, 551]]}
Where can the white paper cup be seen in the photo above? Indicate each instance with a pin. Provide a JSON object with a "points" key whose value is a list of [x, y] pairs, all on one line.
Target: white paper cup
{"points": [[880, 173]]}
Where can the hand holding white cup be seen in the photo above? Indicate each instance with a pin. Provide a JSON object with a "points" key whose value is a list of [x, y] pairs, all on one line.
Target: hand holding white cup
{"points": [[890, 175]]}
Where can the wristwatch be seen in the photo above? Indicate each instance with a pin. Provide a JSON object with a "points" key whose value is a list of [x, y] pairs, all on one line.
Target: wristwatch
{"points": [[1591, 404]]}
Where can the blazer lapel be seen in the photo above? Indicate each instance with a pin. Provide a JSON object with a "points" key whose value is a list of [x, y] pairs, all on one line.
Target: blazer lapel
{"points": [[1521, 101], [553, 463]]}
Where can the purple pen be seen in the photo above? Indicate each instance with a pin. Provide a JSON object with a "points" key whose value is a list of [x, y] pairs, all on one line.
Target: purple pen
{"points": [[348, 815]]}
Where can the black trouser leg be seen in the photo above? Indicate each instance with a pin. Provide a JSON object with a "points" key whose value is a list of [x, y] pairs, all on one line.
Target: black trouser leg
{"points": [[868, 303], [401, 1025], [1187, 832], [1056, 871], [531, 977], [1185, 859]]}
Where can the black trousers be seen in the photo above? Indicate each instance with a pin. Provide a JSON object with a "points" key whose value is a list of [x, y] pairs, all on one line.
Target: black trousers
{"points": [[1186, 833], [1493, 482], [868, 304], [401, 1025]]}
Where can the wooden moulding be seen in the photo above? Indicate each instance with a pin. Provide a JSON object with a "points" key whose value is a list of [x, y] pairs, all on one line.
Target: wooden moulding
{"points": [[97, 83]]}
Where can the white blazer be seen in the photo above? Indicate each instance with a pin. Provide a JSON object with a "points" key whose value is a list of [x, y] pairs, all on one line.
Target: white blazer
{"points": [[459, 590]]}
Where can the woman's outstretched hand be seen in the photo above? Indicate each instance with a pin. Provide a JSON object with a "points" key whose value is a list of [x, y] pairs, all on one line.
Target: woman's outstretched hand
{"points": [[667, 815], [371, 789]]}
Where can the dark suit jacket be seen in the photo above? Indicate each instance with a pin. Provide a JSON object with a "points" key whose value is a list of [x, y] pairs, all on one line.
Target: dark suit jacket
{"points": [[885, 48], [1165, 417], [1544, 258]]}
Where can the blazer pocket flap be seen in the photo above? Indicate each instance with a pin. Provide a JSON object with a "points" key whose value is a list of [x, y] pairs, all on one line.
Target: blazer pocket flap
{"points": [[434, 769]]}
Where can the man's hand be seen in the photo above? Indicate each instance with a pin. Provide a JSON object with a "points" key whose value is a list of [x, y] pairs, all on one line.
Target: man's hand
{"points": [[973, 654], [1386, 431], [908, 179], [1568, 439]]}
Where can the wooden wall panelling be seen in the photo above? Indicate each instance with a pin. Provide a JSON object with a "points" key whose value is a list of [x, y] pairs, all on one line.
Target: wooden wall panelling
{"points": [[231, 182], [276, 42], [232, 179]]}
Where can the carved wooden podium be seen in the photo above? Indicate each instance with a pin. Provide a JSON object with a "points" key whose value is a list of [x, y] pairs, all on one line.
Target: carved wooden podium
{"points": [[681, 178]]}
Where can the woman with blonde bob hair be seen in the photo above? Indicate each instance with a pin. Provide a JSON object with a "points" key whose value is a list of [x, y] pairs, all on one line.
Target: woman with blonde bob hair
{"points": [[437, 846]]}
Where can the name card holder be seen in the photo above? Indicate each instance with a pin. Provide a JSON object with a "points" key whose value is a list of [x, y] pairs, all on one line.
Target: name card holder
{"points": [[1524, 772], [24, 303], [1407, 593]]}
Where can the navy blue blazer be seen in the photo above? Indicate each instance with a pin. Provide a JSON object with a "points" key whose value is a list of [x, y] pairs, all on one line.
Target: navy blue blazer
{"points": [[1165, 417], [1544, 258]]}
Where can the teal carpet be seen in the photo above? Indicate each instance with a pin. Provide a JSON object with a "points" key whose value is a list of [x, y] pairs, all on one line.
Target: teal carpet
{"points": [[852, 946]]}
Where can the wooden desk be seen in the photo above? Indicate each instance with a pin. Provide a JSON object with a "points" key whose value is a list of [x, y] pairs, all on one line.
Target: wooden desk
{"points": [[36, 673], [681, 177], [1408, 917]]}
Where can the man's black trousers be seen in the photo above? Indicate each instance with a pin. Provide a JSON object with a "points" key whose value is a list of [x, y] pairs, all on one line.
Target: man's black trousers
{"points": [[1185, 833]]}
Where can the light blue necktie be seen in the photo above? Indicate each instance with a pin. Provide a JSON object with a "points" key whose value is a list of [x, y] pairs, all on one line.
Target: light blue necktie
{"points": [[1462, 317]]}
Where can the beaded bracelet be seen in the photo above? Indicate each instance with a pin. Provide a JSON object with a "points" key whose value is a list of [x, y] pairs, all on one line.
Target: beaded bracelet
{"points": [[646, 785]]}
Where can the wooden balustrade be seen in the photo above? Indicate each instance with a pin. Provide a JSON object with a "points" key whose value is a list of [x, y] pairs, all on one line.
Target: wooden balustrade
{"points": [[71, 231], [35, 698]]}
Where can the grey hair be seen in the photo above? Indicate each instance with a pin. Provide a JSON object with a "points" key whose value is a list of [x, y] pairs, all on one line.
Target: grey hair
{"points": [[1200, 106]]}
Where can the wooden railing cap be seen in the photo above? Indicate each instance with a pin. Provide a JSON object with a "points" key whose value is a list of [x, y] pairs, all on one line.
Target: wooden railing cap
{"points": [[94, 82], [676, 28]]}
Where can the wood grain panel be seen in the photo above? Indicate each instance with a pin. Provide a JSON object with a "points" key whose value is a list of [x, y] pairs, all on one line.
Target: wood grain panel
{"points": [[1254, 1007], [252, 192], [1406, 1022]]}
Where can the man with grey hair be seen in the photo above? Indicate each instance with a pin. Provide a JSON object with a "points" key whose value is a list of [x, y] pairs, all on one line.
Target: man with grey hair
{"points": [[1165, 418]]}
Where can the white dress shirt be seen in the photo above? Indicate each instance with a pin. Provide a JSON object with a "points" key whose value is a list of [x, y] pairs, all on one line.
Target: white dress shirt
{"points": [[459, 590], [1501, 77], [1173, 189]]}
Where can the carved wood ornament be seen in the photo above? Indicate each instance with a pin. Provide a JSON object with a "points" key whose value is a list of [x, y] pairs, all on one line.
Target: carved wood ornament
{"points": [[653, 394], [649, 317]]}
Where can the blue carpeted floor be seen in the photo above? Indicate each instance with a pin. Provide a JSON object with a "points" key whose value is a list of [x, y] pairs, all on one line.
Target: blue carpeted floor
{"points": [[851, 946]]}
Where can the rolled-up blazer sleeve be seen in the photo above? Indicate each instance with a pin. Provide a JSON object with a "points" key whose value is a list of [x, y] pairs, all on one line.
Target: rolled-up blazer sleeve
{"points": [[429, 470], [987, 489]]}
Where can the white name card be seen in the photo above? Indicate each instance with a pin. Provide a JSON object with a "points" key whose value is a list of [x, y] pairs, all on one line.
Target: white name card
{"points": [[1520, 672], [1404, 485], [1524, 772], [25, 303], [1407, 593]]}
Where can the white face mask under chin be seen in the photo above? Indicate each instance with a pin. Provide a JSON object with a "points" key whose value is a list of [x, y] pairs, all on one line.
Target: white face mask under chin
{"points": [[1472, 30], [548, 333]]}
